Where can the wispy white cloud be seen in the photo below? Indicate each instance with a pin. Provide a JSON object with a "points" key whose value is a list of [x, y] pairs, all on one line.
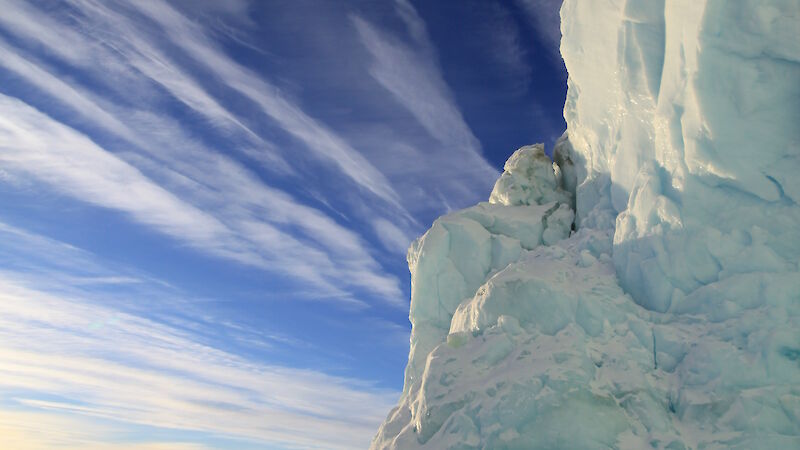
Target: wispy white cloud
{"points": [[261, 215], [229, 214], [391, 236], [118, 32], [45, 430], [54, 266], [505, 45], [116, 54], [545, 17], [415, 82], [320, 140], [60, 264], [25, 20], [33, 143], [98, 370], [452, 163], [138, 371], [119, 35], [43, 79]]}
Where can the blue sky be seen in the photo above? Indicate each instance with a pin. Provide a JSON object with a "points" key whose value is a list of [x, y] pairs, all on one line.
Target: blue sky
{"points": [[205, 206]]}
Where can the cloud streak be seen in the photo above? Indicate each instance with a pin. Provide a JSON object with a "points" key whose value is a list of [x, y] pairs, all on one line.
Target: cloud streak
{"points": [[544, 15], [319, 139], [414, 79], [138, 371], [33, 143], [244, 214], [98, 370], [112, 48], [44, 430], [258, 224]]}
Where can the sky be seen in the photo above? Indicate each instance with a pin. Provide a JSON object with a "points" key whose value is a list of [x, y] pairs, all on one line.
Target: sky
{"points": [[205, 206]]}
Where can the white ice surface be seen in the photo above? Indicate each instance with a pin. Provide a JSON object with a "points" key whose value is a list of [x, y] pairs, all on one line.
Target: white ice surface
{"points": [[671, 317]]}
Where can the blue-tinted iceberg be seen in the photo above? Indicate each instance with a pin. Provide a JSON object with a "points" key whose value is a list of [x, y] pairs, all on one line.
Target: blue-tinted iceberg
{"points": [[641, 290]]}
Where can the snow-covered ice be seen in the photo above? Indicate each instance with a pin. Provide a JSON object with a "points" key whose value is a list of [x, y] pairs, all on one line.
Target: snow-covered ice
{"points": [[644, 290]]}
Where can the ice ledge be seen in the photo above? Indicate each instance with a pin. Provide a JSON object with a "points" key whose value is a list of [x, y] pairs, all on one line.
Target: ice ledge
{"points": [[464, 249]]}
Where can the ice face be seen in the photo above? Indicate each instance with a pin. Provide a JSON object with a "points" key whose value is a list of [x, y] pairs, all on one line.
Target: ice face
{"points": [[690, 108], [670, 317], [464, 249]]}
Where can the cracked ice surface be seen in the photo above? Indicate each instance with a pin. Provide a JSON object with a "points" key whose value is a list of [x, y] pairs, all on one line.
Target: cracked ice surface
{"points": [[670, 317]]}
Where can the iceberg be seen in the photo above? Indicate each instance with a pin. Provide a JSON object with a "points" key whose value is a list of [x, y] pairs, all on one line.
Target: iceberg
{"points": [[642, 289]]}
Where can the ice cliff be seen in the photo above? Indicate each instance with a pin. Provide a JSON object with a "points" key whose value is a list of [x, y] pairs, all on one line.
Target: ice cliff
{"points": [[642, 290]]}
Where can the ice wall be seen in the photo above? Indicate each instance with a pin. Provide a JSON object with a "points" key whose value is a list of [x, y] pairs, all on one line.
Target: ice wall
{"points": [[670, 316], [691, 110]]}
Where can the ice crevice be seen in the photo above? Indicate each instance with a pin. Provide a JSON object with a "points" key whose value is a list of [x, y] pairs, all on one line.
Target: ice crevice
{"points": [[655, 351]]}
